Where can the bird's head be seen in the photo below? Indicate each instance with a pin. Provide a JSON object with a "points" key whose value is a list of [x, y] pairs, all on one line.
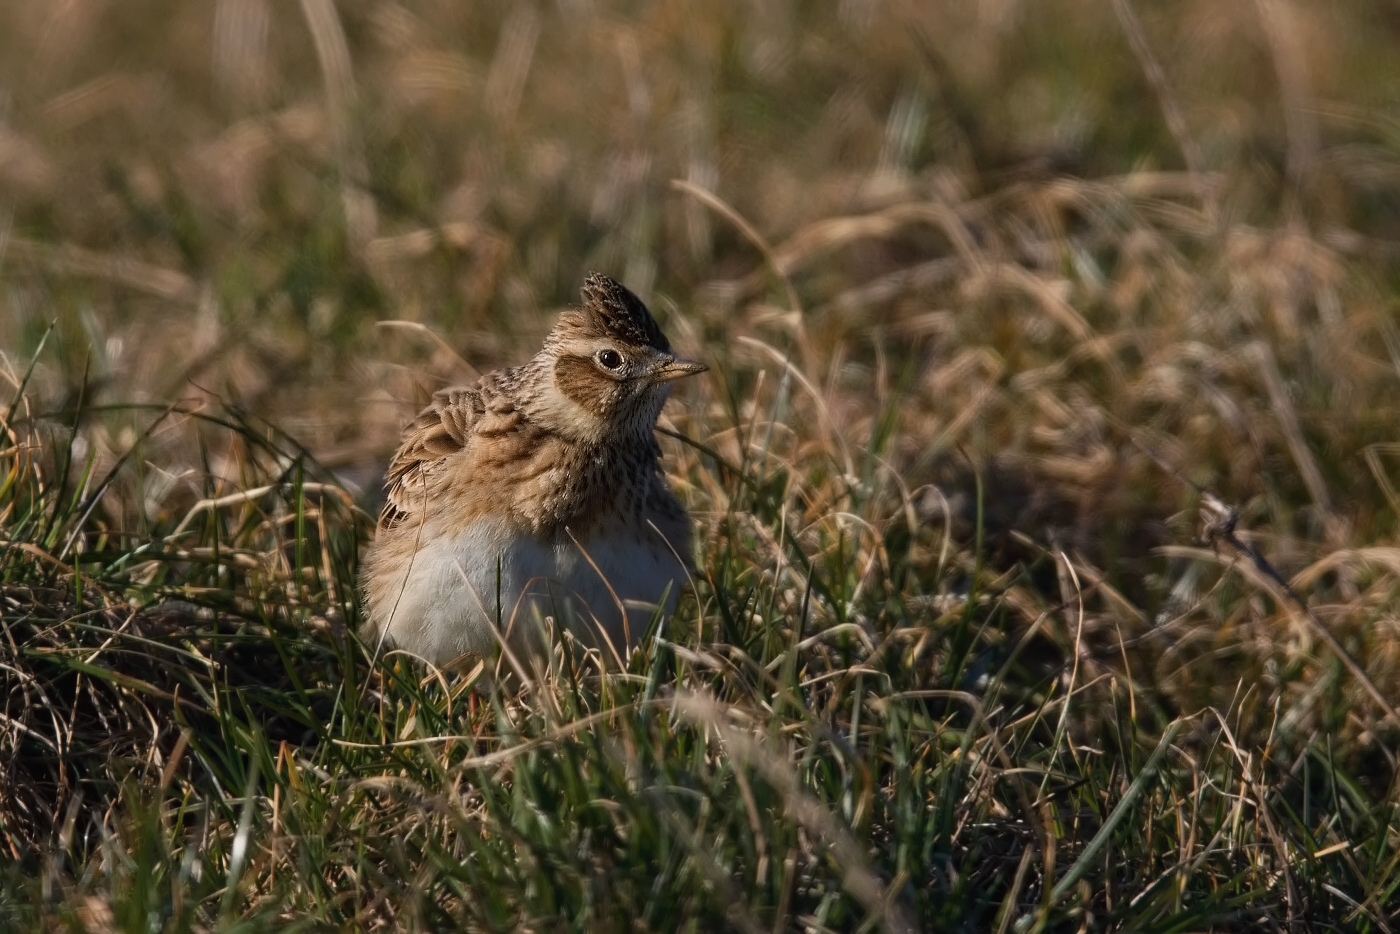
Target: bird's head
{"points": [[609, 363]]}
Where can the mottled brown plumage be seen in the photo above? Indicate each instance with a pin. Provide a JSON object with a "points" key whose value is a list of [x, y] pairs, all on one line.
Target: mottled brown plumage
{"points": [[536, 492]]}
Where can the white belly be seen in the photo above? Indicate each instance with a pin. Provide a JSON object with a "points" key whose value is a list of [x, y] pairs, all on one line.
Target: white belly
{"points": [[458, 590]]}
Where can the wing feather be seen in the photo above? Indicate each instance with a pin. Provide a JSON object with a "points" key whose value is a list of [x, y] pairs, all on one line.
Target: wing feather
{"points": [[443, 428]]}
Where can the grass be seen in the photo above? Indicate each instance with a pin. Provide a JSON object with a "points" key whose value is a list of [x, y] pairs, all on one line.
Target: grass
{"points": [[990, 299]]}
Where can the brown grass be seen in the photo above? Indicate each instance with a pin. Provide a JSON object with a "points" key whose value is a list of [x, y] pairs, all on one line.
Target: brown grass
{"points": [[924, 246]]}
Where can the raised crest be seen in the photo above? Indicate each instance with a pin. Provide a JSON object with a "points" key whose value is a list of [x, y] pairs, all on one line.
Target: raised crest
{"points": [[621, 313]]}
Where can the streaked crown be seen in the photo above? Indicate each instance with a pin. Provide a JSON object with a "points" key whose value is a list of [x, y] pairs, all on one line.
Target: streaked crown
{"points": [[620, 315]]}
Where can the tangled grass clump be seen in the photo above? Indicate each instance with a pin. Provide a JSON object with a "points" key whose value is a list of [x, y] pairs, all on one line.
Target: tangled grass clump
{"points": [[988, 331], [887, 704]]}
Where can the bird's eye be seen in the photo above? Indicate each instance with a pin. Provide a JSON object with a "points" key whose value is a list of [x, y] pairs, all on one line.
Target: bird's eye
{"points": [[609, 359]]}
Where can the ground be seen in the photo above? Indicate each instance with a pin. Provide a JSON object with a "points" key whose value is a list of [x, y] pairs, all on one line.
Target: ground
{"points": [[1045, 474]]}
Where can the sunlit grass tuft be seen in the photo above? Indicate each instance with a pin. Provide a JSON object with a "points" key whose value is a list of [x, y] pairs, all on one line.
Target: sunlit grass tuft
{"points": [[855, 721], [988, 296]]}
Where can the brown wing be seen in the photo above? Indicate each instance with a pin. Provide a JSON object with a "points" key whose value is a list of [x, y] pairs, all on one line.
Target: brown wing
{"points": [[442, 429]]}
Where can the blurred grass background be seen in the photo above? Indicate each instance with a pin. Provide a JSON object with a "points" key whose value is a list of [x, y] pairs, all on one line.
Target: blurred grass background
{"points": [[235, 194], [959, 267]]}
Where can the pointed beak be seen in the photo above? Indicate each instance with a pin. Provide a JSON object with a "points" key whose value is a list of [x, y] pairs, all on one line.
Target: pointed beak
{"points": [[670, 368]]}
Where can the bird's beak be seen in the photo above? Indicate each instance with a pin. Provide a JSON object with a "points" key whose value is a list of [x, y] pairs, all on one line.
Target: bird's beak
{"points": [[671, 368]]}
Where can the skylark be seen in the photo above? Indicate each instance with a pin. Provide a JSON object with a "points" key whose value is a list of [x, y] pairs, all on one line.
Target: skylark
{"points": [[536, 492]]}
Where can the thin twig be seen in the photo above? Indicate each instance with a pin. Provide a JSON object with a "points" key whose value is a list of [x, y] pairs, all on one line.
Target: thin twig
{"points": [[1220, 521]]}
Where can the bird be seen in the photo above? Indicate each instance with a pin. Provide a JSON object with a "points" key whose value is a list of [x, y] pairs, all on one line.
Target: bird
{"points": [[536, 492]]}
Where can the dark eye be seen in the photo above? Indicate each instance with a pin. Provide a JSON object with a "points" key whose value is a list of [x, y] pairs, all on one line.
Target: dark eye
{"points": [[609, 359]]}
